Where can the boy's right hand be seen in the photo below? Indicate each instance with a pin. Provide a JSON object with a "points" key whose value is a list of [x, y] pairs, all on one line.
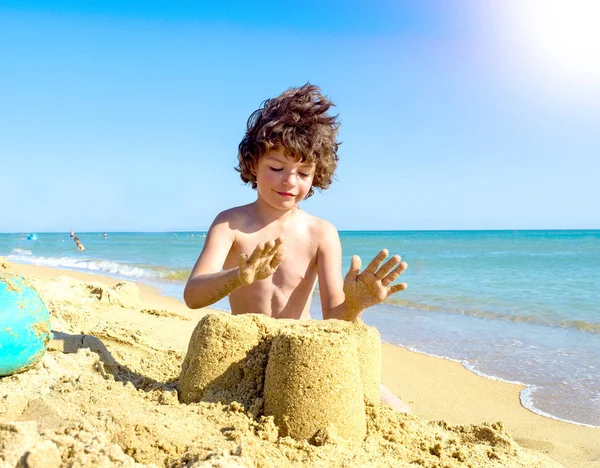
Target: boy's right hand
{"points": [[262, 263]]}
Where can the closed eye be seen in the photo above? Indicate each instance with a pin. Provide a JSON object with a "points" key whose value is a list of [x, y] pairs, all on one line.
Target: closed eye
{"points": [[276, 169], [302, 174]]}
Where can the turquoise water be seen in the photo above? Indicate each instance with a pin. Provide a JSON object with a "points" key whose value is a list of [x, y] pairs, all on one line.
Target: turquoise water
{"points": [[520, 306]]}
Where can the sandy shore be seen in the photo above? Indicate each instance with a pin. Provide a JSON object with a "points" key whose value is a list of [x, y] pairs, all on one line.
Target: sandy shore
{"points": [[438, 389], [132, 415]]}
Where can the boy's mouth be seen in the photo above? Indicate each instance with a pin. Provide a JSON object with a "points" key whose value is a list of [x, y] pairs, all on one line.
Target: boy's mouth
{"points": [[285, 194]]}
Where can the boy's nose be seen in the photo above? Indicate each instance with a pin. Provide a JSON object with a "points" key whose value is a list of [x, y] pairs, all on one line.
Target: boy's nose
{"points": [[289, 179]]}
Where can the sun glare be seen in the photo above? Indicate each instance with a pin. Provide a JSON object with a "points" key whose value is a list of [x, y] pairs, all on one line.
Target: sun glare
{"points": [[554, 41]]}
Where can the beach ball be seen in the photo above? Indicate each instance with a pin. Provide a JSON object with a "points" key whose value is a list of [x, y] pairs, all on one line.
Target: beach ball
{"points": [[24, 325]]}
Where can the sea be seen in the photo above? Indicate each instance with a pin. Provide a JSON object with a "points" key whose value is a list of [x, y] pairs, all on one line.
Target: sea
{"points": [[516, 306]]}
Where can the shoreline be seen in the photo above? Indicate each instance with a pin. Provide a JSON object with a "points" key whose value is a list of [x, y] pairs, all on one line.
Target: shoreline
{"points": [[441, 389], [524, 387], [436, 388]]}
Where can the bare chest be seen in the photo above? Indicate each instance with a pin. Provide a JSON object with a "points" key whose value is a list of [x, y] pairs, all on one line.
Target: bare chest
{"points": [[300, 251], [287, 292]]}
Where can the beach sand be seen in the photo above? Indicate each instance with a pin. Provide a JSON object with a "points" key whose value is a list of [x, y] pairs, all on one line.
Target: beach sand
{"points": [[115, 403]]}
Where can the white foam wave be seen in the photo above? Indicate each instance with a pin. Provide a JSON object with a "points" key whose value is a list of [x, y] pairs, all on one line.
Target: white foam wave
{"points": [[527, 402], [524, 395], [100, 266], [467, 365], [439, 356], [20, 252]]}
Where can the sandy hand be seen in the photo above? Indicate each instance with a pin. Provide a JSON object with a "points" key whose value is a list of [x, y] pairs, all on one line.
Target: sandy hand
{"points": [[372, 286], [262, 263]]}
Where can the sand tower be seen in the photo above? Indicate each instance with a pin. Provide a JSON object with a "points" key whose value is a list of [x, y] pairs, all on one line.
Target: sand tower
{"points": [[310, 376]]}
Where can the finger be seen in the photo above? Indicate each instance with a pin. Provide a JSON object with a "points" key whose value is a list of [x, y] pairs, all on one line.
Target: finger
{"points": [[278, 257], [258, 251], [269, 246], [278, 243], [380, 257], [355, 265], [397, 287], [387, 266], [389, 279], [242, 259], [269, 252]]}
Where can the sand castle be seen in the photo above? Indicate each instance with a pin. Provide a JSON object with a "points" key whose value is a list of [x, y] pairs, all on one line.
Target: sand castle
{"points": [[313, 377]]}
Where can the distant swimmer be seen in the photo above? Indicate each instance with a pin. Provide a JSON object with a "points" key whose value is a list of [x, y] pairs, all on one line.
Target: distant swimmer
{"points": [[72, 234], [105, 235], [79, 244]]}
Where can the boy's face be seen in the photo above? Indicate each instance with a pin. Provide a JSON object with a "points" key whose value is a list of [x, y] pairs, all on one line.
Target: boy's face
{"points": [[282, 181]]}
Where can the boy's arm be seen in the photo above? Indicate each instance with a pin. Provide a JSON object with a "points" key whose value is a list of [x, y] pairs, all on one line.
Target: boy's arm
{"points": [[208, 283], [329, 270], [346, 300]]}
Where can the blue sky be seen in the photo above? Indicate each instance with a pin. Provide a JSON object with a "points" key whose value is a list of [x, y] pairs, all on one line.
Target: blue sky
{"points": [[127, 115]]}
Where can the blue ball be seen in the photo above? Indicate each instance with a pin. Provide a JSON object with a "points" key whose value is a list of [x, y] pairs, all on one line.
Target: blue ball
{"points": [[24, 325]]}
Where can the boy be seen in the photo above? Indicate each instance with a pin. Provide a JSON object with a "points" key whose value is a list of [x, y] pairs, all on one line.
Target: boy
{"points": [[267, 255]]}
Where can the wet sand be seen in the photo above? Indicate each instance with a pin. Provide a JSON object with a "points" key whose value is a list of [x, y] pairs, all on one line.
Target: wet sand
{"points": [[116, 402]]}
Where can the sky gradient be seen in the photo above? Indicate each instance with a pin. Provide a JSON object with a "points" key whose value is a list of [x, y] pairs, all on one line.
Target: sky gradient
{"points": [[126, 116]]}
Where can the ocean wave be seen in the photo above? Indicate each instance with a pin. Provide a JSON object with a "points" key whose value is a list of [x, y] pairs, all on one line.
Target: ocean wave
{"points": [[526, 399], [177, 275], [525, 395], [102, 267], [17, 251], [579, 325]]}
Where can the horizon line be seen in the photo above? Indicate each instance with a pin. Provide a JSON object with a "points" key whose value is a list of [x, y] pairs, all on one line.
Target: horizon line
{"points": [[176, 231]]}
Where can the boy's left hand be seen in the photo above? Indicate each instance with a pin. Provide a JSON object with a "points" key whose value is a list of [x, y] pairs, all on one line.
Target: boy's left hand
{"points": [[372, 286]]}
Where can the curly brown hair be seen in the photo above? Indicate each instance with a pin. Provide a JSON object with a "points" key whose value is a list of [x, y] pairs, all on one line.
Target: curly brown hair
{"points": [[297, 120]]}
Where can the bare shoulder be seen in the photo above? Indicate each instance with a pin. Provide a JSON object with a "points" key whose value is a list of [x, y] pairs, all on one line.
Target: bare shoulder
{"points": [[225, 226], [235, 217], [221, 237], [322, 230]]}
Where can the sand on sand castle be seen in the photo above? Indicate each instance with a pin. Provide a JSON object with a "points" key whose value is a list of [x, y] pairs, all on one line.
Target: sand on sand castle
{"points": [[76, 409], [307, 375]]}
